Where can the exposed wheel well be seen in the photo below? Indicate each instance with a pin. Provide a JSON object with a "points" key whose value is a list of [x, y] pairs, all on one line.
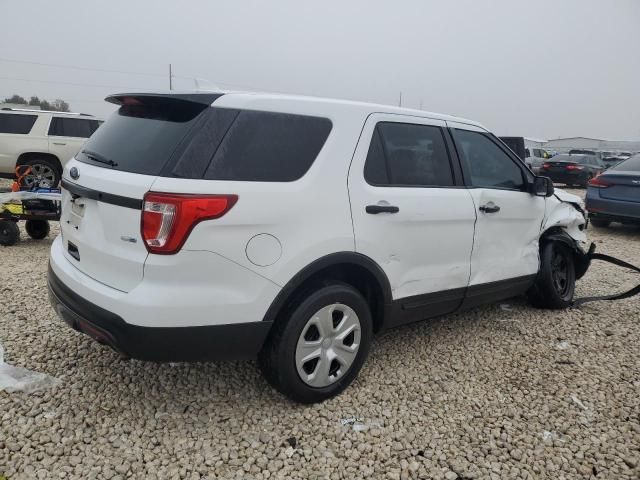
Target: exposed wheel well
{"points": [[25, 157], [354, 274], [557, 234]]}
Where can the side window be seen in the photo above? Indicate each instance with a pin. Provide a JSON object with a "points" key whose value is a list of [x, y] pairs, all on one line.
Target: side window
{"points": [[537, 153], [404, 154], [268, 147], [15, 123], [487, 164], [71, 127], [527, 153]]}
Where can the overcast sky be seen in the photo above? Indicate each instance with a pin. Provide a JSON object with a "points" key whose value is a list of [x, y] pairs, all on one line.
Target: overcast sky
{"points": [[543, 68]]}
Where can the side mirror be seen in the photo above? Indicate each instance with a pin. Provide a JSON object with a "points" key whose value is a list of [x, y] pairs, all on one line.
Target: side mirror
{"points": [[542, 187]]}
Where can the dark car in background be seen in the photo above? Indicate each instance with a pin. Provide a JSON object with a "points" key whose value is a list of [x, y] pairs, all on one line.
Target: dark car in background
{"points": [[614, 196], [572, 169]]}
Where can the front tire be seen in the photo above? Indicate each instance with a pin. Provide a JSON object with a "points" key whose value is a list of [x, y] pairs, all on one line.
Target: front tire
{"points": [[316, 349], [556, 280]]}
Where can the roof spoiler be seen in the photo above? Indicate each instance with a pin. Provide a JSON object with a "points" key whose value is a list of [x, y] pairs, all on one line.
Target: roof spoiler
{"points": [[202, 98]]}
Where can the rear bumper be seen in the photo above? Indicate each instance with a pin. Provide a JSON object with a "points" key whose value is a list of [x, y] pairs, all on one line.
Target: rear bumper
{"points": [[614, 210], [211, 342]]}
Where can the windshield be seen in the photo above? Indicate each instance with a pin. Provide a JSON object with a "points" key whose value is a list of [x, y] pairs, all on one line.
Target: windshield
{"points": [[141, 137]]}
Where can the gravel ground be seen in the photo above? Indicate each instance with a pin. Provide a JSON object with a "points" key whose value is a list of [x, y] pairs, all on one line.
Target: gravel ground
{"points": [[503, 391]]}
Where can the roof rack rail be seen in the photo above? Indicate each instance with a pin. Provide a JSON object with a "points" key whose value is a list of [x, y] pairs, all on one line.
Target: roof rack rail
{"points": [[45, 111]]}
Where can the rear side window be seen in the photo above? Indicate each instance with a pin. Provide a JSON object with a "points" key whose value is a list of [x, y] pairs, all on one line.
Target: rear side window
{"points": [[268, 147], [15, 123], [72, 127], [404, 154]]}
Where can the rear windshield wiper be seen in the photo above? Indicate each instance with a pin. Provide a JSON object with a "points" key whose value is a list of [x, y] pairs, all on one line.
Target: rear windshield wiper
{"points": [[96, 157]]}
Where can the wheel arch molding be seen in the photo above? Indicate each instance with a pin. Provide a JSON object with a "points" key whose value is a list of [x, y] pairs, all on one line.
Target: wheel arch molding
{"points": [[360, 271]]}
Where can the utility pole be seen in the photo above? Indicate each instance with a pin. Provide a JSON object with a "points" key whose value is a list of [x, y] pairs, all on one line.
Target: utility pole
{"points": [[170, 78]]}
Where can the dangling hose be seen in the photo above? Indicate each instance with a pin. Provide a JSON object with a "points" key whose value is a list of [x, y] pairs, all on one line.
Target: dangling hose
{"points": [[616, 296]]}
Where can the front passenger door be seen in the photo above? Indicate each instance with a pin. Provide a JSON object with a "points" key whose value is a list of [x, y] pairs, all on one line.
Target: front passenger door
{"points": [[505, 247]]}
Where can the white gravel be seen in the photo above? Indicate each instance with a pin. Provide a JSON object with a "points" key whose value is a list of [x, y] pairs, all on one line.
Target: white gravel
{"points": [[496, 392]]}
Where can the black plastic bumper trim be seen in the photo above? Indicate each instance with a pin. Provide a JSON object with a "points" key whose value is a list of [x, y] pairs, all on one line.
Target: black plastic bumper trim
{"points": [[161, 344]]}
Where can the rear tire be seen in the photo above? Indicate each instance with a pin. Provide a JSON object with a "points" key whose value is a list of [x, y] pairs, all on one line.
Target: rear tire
{"points": [[44, 173], [9, 233], [600, 222], [556, 280], [317, 347], [37, 229]]}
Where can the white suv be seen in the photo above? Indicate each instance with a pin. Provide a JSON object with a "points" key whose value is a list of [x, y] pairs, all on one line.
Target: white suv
{"points": [[43, 140], [230, 226]]}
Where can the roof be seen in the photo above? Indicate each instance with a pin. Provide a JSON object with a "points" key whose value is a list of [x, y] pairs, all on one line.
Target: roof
{"points": [[34, 110], [247, 98]]}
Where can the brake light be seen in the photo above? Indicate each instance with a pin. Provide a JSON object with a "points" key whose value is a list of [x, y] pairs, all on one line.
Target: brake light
{"points": [[168, 218], [598, 182], [546, 165], [574, 167]]}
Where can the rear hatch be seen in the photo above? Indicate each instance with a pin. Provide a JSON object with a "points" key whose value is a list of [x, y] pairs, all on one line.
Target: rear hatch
{"points": [[103, 187], [623, 186]]}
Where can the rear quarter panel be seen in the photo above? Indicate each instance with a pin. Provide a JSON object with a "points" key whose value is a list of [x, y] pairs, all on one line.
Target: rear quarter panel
{"points": [[309, 217]]}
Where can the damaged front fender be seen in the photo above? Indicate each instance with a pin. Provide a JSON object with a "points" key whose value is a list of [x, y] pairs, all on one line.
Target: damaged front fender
{"points": [[566, 221]]}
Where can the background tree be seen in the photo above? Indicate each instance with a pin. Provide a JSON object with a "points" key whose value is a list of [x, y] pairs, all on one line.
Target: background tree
{"points": [[16, 99], [57, 105]]}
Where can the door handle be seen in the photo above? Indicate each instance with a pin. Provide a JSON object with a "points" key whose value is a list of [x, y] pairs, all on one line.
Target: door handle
{"points": [[58, 143], [375, 209], [489, 208]]}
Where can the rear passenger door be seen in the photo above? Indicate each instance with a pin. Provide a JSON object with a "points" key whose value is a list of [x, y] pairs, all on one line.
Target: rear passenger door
{"points": [[505, 249], [66, 135], [411, 214]]}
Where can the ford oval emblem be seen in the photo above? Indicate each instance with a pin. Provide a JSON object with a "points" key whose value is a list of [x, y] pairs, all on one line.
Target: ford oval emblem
{"points": [[75, 174]]}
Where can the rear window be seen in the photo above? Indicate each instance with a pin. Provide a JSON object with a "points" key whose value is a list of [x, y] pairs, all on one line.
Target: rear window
{"points": [[176, 138], [631, 164], [141, 137], [268, 147], [72, 127], [16, 123]]}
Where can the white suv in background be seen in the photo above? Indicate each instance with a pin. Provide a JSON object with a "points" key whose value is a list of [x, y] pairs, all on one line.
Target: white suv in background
{"points": [[43, 140], [229, 226]]}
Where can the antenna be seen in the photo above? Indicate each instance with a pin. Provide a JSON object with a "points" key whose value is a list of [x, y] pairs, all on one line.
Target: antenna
{"points": [[170, 78], [400, 100]]}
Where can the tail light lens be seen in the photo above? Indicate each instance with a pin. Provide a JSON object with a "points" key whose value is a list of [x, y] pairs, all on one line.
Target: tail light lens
{"points": [[546, 165], [575, 167], [599, 182], [168, 218]]}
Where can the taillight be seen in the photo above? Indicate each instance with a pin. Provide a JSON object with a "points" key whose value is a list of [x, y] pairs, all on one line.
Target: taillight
{"points": [[168, 218], [546, 165], [598, 182], [574, 167]]}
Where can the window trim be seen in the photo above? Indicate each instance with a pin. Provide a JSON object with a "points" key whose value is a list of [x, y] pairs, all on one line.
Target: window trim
{"points": [[527, 175], [455, 174]]}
